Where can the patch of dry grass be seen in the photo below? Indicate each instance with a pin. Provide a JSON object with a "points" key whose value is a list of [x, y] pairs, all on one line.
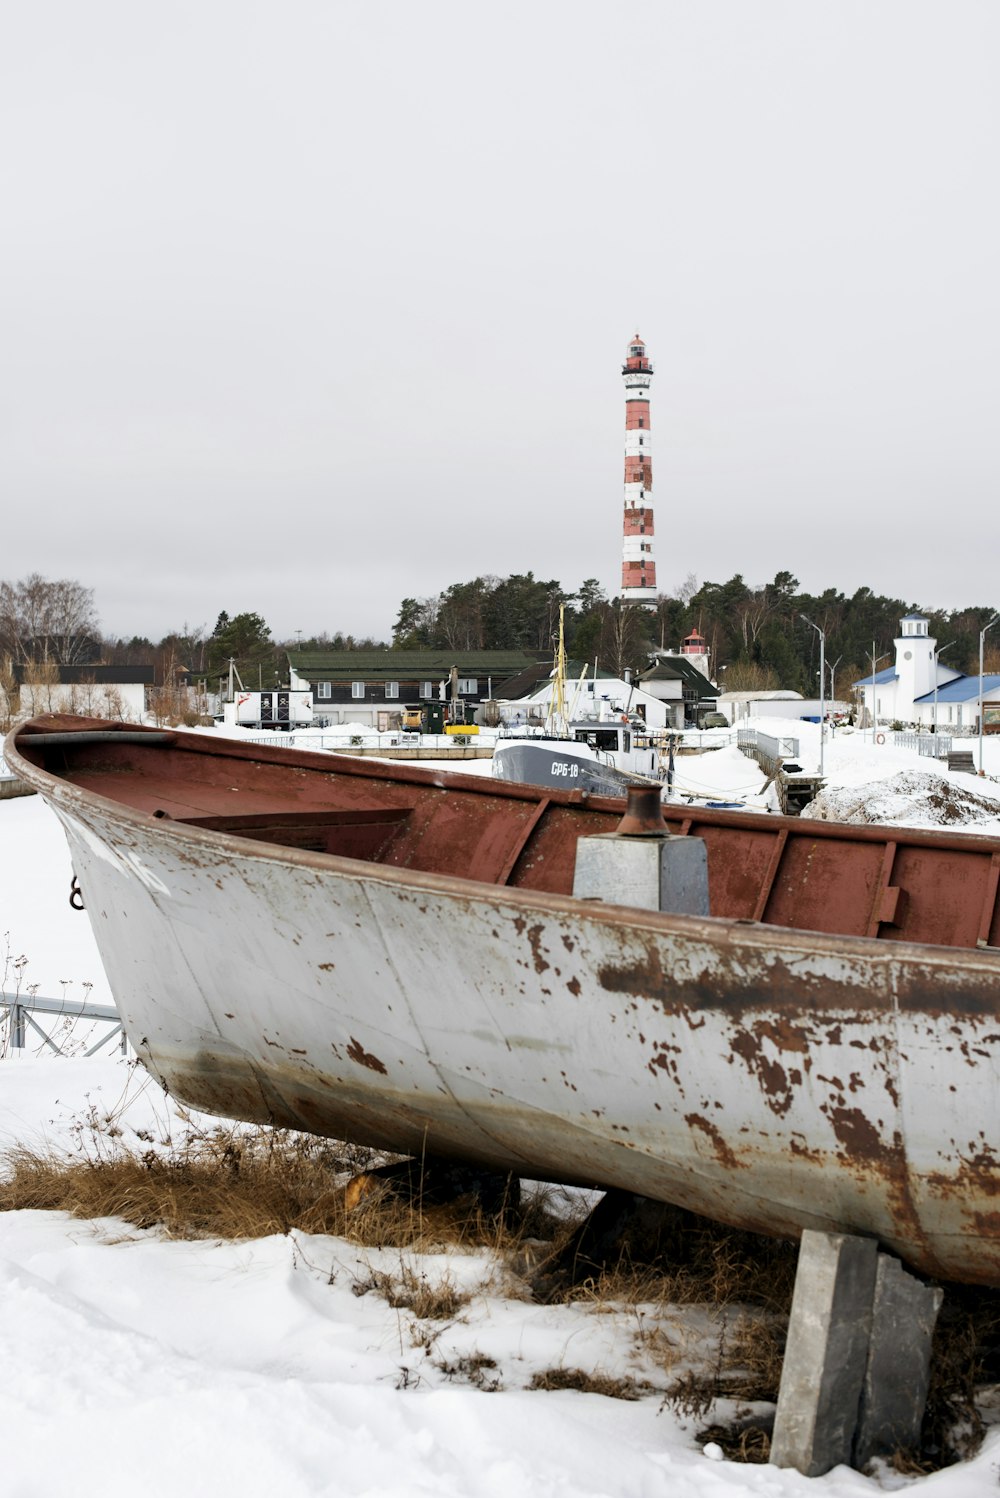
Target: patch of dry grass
{"points": [[713, 1265], [624, 1387], [753, 1357], [965, 1353], [475, 1368], [237, 1181], [744, 1441], [410, 1291], [226, 1183]]}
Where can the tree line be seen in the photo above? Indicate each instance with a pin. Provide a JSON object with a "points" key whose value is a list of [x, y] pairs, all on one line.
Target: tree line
{"points": [[756, 633]]}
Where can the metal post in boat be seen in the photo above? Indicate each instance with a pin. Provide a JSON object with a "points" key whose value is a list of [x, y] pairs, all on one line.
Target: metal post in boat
{"points": [[642, 864]]}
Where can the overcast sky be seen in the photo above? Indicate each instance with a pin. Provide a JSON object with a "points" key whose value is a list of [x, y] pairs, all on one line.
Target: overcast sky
{"points": [[307, 306]]}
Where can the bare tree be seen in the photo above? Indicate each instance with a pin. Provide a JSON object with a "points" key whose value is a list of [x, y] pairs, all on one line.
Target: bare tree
{"points": [[9, 693], [752, 613], [623, 638], [750, 676], [48, 620], [40, 688]]}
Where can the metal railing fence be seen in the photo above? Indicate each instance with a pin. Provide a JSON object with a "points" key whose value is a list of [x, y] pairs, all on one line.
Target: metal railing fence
{"points": [[21, 1009], [776, 747], [373, 740]]}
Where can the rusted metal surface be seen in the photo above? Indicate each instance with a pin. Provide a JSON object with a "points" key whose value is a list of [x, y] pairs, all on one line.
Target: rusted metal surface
{"points": [[770, 1077], [643, 814]]}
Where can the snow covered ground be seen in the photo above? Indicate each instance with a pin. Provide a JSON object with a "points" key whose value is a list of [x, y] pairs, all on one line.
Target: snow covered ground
{"points": [[864, 781], [135, 1363]]}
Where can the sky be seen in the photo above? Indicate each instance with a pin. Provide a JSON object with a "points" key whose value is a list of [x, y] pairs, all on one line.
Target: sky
{"points": [[310, 307]]}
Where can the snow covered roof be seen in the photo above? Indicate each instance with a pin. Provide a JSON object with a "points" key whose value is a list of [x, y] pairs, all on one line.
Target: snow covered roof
{"points": [[679, 668], [776, 696], [963, 689]]}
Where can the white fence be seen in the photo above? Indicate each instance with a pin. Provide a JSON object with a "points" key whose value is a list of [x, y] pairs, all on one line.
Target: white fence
{"points": [[934, 745]]}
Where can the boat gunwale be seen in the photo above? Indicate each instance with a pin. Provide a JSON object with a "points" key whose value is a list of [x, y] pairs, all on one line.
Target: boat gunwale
{"points": [[740, 931], [327, 762]]}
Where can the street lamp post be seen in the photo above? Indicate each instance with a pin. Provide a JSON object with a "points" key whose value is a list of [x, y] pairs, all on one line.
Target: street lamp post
{"points": [[982, 637], [822, 685], [937, 656], [833, 681], [875, 662]]}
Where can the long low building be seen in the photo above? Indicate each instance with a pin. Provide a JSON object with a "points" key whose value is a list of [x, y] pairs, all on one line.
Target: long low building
{"points": [[373, 687]]}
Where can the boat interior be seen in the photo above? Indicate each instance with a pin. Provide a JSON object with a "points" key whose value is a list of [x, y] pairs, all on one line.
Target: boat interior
{"points": [[887, 883]]}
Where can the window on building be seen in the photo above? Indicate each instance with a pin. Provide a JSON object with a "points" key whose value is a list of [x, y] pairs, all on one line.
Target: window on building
{"points": [[468, 684], [427, 689], [392, 689], [323, 689], [357, 689]]}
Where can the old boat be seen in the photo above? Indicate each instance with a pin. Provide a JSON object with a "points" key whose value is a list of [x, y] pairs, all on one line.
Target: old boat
{"points": [[601, 753], [393, 955], [601, 757]]}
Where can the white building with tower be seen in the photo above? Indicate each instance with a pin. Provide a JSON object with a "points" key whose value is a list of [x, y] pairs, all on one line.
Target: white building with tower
{"points": [[904, 691]]}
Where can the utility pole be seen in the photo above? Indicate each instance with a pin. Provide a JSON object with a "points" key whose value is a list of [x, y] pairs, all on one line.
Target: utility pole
{"points": [[982, 637], [822, 686], [937, 656]]}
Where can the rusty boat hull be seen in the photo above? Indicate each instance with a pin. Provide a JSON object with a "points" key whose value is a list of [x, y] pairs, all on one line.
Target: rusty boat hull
{"points": [[289, 939]]}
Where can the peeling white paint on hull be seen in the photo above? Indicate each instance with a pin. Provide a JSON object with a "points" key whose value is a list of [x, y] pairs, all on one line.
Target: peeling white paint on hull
{"points": [[775, 1084], [770, 1078]]}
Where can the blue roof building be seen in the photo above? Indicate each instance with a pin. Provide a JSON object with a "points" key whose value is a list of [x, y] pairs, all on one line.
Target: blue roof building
{"points": [[893, 694], [905, 692]]}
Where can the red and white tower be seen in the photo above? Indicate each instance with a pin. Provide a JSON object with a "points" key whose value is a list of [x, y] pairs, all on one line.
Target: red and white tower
{"points": [[638, 567]]}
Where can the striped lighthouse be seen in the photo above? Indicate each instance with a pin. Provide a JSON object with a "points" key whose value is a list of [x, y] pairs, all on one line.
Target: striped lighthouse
{"points": [[638, 567]]}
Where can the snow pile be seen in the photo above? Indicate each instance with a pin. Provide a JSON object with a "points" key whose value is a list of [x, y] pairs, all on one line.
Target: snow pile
{"points": [[911, 798]]}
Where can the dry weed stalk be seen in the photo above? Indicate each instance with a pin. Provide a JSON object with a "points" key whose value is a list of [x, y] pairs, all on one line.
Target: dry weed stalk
{"points": [[475, 1368]]}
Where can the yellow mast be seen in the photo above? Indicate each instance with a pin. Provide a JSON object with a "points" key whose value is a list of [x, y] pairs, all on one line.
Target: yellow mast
{"points": [[557, 710]]}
